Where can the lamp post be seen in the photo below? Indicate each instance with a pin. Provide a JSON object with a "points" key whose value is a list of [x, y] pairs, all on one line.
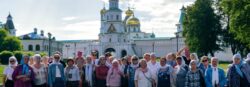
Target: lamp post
{"points": [[49, 34], [153, 45], [177, 41]]}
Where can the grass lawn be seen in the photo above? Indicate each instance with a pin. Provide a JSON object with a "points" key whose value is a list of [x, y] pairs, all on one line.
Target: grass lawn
{"points": [[1, 73]]}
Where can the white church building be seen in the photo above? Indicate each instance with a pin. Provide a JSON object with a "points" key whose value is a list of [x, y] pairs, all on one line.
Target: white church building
{"points": [[123, 36]]}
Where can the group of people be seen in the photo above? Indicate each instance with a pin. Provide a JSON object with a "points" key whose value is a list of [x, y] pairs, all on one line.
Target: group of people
{"points": [[172, 70]]}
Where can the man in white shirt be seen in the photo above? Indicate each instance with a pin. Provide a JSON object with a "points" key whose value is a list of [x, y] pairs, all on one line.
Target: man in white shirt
{"points": [[215, 76], [89, 70], [153, 65], [56, 76]]}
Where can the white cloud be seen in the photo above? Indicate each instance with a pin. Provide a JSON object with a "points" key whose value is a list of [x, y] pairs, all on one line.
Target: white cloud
{"points": [[69, 18]]}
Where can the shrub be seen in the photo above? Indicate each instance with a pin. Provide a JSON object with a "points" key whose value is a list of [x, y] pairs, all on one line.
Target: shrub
{"points": [[4, 56], [18, 55]]}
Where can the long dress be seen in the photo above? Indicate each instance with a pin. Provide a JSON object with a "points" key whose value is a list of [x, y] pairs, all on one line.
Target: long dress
{"points": [[163, 76], [180, 75], [18, 82], [234, 79], [144, 79]]}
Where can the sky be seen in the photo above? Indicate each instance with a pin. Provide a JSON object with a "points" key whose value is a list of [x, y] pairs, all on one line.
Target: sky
{"points": [[80, 19]]}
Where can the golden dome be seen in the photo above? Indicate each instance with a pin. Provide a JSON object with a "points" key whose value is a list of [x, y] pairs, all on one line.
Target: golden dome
{"points": [[103, 11], [133, 21], [129, 12]]}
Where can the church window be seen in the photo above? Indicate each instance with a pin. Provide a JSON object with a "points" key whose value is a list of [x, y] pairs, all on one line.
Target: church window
{"points": [[30, 47], [111, 17], [37, 47], [109, 39], [117, 17], [107, 17]]}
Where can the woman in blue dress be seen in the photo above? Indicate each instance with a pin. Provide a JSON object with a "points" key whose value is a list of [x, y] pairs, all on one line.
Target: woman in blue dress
{"points": [[131, 71], [181, 70], [165, 74]]}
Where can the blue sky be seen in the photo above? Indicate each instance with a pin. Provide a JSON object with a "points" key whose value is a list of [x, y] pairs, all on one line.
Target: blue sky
{"points": [[79, 19]]}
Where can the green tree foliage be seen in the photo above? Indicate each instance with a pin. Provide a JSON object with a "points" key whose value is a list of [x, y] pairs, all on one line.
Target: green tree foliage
{"points": [[201, 28], [3, 34], [4, 56], [11, 43], [18, 55], [43, 54], [29, 53], [238, 12]]}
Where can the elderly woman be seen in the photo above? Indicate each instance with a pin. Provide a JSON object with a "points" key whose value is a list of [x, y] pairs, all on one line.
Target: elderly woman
{"points": [[56, 77], [246, 69], [72, 74], [234, 75], [114, 75], [143, 77], [101, 72], [181, 70], [23, 74], [204, 65], [194, 77], [89, 70], [131, 71], [165, 74], [45, 61], [40, 72], [8, 71]]}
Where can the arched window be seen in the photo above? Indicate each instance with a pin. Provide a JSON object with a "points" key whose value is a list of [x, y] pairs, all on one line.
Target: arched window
{"points": [[117, 17], [30, 48], [37, 47], [109, 39]]}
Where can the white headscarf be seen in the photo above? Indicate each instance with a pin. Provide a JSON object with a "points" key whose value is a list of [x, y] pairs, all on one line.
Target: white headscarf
{"points": [[248, 56], [14, 58]]}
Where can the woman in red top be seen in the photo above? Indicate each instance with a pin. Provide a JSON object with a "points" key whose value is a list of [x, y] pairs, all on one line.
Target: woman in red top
{"points": [[101, 73]]}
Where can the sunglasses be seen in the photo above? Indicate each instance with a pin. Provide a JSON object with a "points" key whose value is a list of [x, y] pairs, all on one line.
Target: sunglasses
{"points": [[12, 61], [204, 60]]}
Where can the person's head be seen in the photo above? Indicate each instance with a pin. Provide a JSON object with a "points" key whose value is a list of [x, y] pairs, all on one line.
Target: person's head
{"points": [[45, 60], [204, 60], [248, 57], [115, 63], [107, 55], [143, 63], [89, 59], [194, 56], [31, 60], [146, 56], [13, 61], [102, 60], [37, 58], [70, 62], [179, 60], [152, 57], [129, 58], [135, 59], [193, 65], [25, 59], [214, 61], [163, 61], [124, 61], [171, 57], [237, 59], [111, 58], [56, 57]]}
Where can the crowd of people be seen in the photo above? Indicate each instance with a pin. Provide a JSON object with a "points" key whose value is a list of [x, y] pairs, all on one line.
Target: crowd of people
{"points": [[172, 70]]}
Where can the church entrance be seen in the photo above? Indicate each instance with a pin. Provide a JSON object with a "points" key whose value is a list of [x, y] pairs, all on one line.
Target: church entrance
{"points": [[111, 50], [123, 53]]}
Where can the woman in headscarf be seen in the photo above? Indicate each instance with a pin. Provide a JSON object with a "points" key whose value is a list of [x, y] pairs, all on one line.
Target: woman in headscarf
{"points": [[235, 76], [8, 71], [89, 71], [194, 77], [72, 74], [114, 75], [40, 72], [165, 74], [246, 69], [143, 77], [101, 72], [23, 74], [131, 71], [56, 76], [181, 70]]}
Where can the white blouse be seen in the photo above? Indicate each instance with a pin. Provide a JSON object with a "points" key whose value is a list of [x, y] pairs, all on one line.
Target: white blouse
{"points": [[144, 80], [40, 75], [8, 71]]}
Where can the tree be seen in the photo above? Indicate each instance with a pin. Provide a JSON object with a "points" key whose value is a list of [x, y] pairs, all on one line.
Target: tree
{"points": [[3, 34], [201, 28], [18, 55], [239, 14], [230, 38], [11, 43]]}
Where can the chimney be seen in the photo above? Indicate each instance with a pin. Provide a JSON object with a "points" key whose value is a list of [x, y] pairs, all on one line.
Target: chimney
{"points": [[42, 33], [35, 30]]}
